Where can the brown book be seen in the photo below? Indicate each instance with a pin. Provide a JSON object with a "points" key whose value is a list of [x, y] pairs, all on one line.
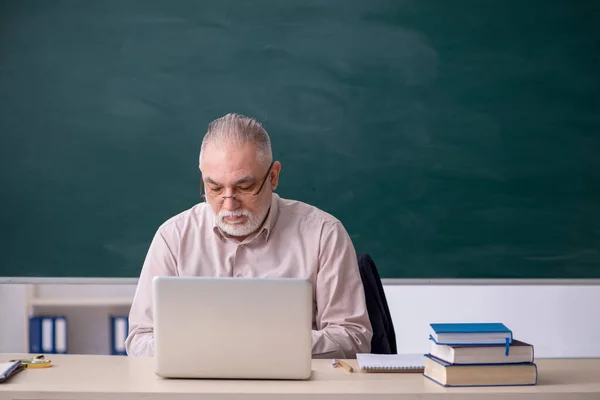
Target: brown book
{"points": [[518, 352], [447, 374]]}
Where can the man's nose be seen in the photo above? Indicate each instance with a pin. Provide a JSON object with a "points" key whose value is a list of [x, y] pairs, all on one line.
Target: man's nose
{"points": [[230, 203]]}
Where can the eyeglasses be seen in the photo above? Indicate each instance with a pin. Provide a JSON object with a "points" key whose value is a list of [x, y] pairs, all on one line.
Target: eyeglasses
{"points": [[242, 195]]}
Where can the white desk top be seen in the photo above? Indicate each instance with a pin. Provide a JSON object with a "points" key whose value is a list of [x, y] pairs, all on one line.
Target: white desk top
{"points": [[112, 377]]}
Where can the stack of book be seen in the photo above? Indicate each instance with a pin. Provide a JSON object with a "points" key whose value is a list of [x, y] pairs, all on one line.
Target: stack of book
{"points": [[479, 354]]}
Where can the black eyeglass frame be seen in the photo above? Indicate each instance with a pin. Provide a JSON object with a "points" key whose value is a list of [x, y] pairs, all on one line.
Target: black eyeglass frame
{"points": [[235, 196]]}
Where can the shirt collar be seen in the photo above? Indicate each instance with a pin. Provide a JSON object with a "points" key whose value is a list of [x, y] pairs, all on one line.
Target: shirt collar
{"points": [[272, 217], [267, 225]]}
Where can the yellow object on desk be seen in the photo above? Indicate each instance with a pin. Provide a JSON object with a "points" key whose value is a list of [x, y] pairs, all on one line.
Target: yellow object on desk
{"points": [[335, 362], [35, 362]]}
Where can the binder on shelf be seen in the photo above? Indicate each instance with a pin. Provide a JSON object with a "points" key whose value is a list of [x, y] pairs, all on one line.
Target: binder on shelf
{"points": [[119, 327], [35, 334], [60, 335], [48, 334]]}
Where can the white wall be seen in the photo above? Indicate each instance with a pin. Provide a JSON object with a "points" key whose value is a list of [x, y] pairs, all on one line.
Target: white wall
{"points": [[560, 321], [12, 317]]}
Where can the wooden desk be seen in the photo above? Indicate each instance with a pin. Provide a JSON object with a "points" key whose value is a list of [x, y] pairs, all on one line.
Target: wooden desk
{"points": [[114, 377]]}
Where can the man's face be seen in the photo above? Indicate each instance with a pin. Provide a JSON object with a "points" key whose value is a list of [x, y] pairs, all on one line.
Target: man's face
{"points": [[237, 171]]}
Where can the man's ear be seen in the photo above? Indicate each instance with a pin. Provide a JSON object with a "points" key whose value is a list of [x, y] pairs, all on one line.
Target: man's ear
{"points": [[274, 175]]}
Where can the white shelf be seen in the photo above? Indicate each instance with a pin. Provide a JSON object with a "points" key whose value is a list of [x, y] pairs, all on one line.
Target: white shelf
{"points": [[81, 301], [87, 307]]}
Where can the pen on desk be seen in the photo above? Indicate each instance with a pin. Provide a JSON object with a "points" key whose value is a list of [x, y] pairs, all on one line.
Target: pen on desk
{"points": [[335, 362]]}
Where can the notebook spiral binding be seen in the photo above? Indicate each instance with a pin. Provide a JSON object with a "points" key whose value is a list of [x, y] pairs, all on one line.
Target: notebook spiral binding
{"points": [[392, 369]]}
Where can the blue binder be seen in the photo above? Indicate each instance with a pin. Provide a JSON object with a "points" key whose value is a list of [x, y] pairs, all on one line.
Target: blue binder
{"points": [[35, 335], [60, 335], [48, 335], [119, 328]]}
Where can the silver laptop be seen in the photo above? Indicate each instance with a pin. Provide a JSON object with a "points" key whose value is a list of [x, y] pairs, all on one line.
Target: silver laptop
{"points": [[246, 328]]}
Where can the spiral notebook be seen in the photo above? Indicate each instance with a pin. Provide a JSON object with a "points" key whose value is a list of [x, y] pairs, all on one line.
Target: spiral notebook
{"points": [[391, 362]]}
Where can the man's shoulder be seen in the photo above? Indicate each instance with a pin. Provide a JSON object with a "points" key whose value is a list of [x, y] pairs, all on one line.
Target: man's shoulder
{"points": [[312, 222], [300, 211]]}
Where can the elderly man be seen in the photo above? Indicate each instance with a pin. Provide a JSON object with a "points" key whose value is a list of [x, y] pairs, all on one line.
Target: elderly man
{"points": [[244, 229]]}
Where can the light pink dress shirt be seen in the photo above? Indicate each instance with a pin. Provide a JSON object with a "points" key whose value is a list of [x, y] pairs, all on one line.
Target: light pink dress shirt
{"points": [[296, 241]]}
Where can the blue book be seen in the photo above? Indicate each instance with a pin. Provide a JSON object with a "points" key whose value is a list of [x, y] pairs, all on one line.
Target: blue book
{"points": [[471, 334], [451, 375]]}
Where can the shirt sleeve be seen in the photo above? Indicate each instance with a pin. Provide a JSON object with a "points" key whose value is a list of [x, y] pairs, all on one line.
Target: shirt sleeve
{"points": [[342, 321], [159, 261]]}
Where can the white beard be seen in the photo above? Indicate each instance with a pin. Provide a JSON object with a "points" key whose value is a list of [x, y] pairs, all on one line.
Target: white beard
{"points": [[253, 221]]}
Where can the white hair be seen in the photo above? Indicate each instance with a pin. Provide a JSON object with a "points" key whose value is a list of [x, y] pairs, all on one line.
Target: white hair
{"points": [[235, 130]]}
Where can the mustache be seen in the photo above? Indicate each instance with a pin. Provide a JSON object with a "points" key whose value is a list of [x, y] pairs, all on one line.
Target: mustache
{"points": [[235, 213]]}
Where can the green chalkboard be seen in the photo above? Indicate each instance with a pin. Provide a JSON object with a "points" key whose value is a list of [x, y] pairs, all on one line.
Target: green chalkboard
{"points": [[454, 139]]}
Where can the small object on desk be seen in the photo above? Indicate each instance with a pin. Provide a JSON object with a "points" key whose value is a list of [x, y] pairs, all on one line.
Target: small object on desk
{"points": [[9, 369], [35, 362], [335, 362], [391, 362]]}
